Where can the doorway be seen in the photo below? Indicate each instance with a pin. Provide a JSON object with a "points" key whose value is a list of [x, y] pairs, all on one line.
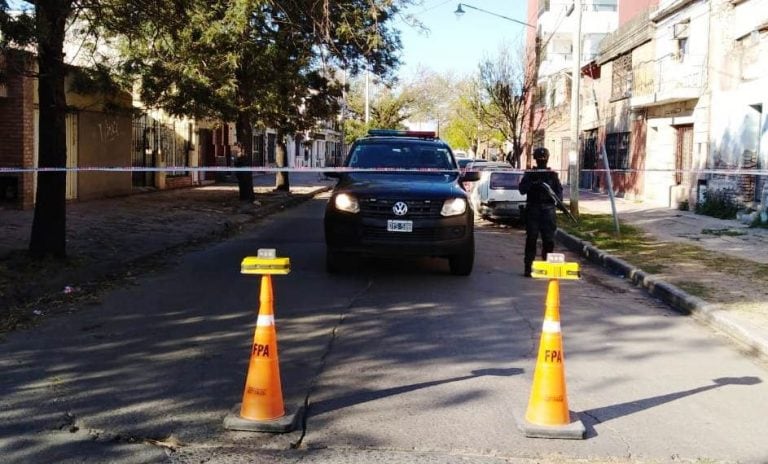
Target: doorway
{"points": [[683, 154]]}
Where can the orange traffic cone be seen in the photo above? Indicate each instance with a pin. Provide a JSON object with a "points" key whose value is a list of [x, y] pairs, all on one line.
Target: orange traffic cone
{"points": [[548, 415], [262, 408], [263, 394]]}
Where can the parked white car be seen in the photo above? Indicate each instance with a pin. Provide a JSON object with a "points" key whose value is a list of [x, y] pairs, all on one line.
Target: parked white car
{"points": [[496, 195]]}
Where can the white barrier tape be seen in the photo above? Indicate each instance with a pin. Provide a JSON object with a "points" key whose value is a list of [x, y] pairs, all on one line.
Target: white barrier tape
{"points": [[216, 169], [265, 321], [17, 170], [550, 327]]}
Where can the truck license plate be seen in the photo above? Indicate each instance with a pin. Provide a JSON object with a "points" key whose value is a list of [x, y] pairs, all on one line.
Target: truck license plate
{"points": [[399, 226]]}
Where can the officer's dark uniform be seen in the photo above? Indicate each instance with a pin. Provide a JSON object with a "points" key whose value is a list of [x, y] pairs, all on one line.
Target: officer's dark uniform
{"points": [[540, 208]]}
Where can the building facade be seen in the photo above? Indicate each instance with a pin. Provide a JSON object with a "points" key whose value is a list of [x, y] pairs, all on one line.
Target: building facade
{"points": [[613, 133], [98, 134], [556, 24], [675, 101], [737, 137]]}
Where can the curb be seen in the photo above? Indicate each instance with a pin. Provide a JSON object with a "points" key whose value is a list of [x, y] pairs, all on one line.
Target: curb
{"points": [[677, 299]]}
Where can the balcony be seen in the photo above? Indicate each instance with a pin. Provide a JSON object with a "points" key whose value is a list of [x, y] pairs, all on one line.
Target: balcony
{"points": [[667, 80]]}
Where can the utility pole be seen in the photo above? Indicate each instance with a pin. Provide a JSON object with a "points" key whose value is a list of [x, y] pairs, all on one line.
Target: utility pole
{"points": [[573, 154]]}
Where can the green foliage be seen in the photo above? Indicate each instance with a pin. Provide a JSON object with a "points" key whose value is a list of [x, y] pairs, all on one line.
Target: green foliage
{"points": [[632, 244], [695, 288], [274, 63], [354, 129], [717, 204], [458, 134], [463, 128], [17, 30], [723, 232], [599, 229], [388, 109], [684, 206], [98, 79]]}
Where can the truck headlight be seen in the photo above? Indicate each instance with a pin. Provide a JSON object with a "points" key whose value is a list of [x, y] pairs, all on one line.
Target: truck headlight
{"points": [[346, 202], [454, 207]]}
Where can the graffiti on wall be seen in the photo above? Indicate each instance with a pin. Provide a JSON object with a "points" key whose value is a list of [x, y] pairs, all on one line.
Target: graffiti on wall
{"points": [[109, 130]]}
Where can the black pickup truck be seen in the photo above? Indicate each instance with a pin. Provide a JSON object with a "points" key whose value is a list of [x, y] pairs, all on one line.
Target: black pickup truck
{"points": [[400, 194]]}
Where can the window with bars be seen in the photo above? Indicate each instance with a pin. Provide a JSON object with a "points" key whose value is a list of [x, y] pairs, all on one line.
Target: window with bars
{"points": [[621, 84], [617, 149]]}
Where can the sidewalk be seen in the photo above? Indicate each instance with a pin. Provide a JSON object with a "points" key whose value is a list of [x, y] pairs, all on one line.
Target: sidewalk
{"points": [[115, 238], [731, 254]]}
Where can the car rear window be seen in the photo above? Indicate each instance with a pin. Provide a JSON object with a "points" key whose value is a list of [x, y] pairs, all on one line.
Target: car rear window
{"points": [[505, 180], [399, 155], [463, 162]]}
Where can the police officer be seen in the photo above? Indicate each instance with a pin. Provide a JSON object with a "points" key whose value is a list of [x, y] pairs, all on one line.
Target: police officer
{"points": [[540, 207]]}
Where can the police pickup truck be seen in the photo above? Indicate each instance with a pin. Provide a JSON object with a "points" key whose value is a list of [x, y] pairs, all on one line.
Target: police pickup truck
{"points": [[400, 194]]}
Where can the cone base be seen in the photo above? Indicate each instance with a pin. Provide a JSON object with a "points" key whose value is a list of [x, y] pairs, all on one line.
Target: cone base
{"points": [[573, 431], [284, 424]]}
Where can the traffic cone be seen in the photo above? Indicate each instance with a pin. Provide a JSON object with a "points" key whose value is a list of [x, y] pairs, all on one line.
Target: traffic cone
{"points": [[263, 394], [548, 415], [262, 408]]}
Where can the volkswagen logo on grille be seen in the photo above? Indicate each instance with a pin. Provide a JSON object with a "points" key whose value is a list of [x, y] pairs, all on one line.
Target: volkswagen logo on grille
{"points": [[400, 208]]}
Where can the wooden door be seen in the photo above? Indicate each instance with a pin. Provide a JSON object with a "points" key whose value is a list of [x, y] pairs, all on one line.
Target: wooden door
{"points": [[683, 155]]}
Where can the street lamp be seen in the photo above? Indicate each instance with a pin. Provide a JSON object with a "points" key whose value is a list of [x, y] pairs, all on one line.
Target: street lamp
{"points": [[460, 12]]}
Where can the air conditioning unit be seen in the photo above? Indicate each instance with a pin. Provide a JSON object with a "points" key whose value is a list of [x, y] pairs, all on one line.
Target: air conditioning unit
{"points": [[681, 30]]}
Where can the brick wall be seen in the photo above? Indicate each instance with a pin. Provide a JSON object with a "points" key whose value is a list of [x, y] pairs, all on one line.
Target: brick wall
{"points": [[17, 132]]}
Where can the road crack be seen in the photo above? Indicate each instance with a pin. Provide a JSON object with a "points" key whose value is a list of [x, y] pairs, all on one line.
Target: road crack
{"points": [[323, 361]]}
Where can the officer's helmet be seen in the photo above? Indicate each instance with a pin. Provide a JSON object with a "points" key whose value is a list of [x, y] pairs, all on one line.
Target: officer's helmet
{"points": [[541, 155]]}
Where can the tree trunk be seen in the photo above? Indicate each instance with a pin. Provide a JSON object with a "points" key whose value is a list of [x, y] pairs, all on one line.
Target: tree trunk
{"points": [[244, 158], [282, 182], [48, 237]]}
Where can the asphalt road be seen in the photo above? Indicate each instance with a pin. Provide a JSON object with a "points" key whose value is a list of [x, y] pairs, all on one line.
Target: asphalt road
{"points": [[398, 362]]}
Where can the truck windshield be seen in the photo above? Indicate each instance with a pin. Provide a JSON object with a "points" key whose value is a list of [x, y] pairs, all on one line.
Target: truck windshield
{"points": [[399, 155]]}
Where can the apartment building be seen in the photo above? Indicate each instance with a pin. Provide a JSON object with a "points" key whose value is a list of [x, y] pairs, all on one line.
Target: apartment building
{"points": [[555, 26]]}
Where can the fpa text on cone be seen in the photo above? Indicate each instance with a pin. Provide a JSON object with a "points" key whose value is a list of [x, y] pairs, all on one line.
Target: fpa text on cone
{"points": [[548, 415], [262, 408]]}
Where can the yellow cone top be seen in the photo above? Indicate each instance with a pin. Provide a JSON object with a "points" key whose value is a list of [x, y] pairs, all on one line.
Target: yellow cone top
{"points": [[265, 263], [555, 267]]}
